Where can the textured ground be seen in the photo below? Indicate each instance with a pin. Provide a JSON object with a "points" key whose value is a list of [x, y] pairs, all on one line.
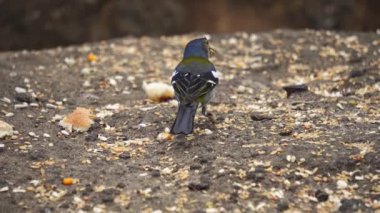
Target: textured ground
{"points": [[316, 150]]}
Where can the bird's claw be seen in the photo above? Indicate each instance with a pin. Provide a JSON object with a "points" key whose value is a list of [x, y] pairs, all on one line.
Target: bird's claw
{"points": [[211, 117]]}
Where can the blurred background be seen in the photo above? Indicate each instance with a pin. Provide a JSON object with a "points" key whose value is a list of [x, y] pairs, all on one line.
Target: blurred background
{"points": [[36, 24]]}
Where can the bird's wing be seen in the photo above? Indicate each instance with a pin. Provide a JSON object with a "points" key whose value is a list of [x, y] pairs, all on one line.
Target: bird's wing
{"points": [[191, 85]]}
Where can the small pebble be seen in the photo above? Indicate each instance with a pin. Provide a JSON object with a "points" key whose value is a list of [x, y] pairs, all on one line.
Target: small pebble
{"points": [[20, 90], [208, 132], [97, 209], [64, 132], [125, 155], [241, 89], [143, 174], [232, 41], [119, 77], [9, 114], [18, 190], [102, 138], [4, 189], [32, 134], [85, 71], [6, 100], [341, 184], [21, 106], [24, 97], [167, 171], [258, 116], [286, 131], [33, 104], [120, 185], [212, 210], [295, 89], [35, 182], [69, 61], [112, 81], [51, 106], [282, 206], [199, 185], [131, 78], [57, 118], [92, 136], [155, 173], [86, 83], [321, 196]]}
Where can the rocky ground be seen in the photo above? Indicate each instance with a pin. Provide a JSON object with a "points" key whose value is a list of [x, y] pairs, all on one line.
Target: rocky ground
{"points": [[308, 148]]}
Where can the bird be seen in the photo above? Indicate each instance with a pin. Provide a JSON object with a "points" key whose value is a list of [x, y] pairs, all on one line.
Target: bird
{"points": [[193, 80]]}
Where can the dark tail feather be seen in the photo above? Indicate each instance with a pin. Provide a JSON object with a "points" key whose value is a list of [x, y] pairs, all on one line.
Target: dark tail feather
{"points": [[183, 123]]}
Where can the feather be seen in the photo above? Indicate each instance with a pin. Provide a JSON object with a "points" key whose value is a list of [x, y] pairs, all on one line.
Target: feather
{"points": [[183, 123]]}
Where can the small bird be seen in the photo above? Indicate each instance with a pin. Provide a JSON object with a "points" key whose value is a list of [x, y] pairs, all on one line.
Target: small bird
{"points": [[193, 80]]}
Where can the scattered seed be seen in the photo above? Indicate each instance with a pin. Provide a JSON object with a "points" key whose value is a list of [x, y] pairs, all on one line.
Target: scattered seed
{"points": [[68, 181], [291, 158]]}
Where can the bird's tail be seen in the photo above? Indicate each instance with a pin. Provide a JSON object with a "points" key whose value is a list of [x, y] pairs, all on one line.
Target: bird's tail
{"points": [[183, 123]]}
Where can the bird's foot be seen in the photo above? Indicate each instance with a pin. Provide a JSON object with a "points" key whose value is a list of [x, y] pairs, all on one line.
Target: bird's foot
{"points": [[204, 111], [211, 117]]}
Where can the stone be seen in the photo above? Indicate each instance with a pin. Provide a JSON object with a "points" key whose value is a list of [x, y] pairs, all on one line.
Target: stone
{"points": [[298, 88]]}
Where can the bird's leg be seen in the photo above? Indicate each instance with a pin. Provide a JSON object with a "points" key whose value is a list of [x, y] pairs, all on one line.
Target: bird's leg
{"points": [[204, 110], [210, 116]]}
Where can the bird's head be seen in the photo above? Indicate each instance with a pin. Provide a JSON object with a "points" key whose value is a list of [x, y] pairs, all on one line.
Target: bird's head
{"points": [[198, 48]]}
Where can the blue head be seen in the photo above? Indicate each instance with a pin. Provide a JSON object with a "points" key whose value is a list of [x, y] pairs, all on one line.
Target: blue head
{"points": [[197, 48]]}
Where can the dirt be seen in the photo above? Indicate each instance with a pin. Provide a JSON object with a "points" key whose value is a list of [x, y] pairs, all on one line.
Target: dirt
{"points": [[316, 148]]}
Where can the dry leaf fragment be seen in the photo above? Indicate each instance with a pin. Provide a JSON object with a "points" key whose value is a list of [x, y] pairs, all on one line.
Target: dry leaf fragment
{"points": [[183, 174], [123, 200], [80, 120], [165, 136], [5, 129]]}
